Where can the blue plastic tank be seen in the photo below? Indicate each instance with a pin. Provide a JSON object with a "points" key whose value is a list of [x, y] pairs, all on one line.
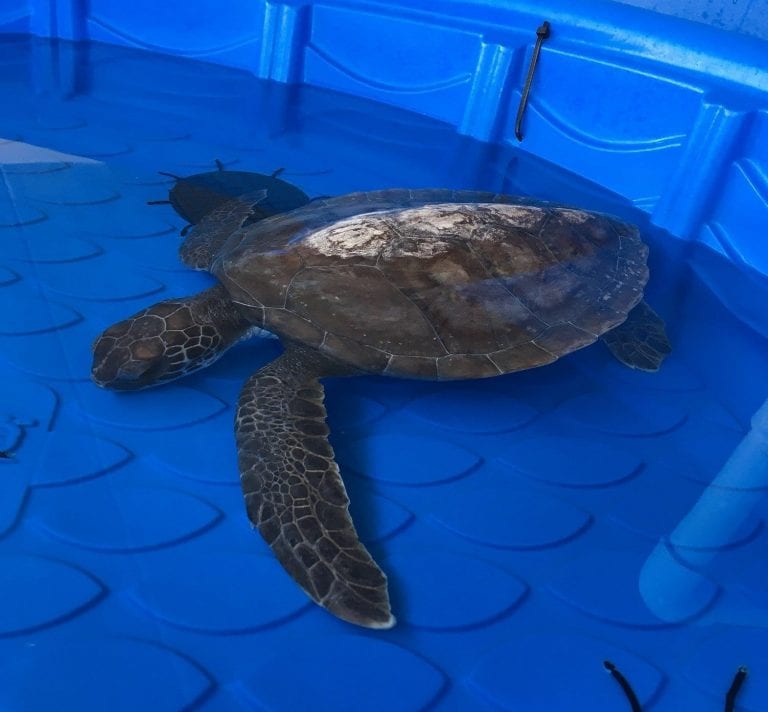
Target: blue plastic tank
{"points": [[535, 526]]}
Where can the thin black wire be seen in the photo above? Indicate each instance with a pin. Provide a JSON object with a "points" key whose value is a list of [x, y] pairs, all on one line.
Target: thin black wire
{"points": [[628, 691], [541, 34], [733, 690]]}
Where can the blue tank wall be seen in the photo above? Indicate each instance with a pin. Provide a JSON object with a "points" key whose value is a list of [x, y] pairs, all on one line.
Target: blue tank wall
{"points": [[671, 113]]}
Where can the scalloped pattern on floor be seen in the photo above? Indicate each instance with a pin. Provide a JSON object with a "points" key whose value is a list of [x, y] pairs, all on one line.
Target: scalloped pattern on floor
{"points": [[530, 524]]}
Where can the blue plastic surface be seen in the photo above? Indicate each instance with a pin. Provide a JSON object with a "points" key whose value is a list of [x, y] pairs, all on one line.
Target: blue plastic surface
{"points": [[668, 112], [530, 524]]}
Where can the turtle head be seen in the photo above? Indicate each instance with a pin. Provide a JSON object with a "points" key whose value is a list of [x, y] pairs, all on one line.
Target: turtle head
{"points": [[167, 340], [129, 356]]}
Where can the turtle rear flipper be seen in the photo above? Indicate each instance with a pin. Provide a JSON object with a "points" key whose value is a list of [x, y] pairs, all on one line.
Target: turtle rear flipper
{"points": [[294, 494], [641, 341]]}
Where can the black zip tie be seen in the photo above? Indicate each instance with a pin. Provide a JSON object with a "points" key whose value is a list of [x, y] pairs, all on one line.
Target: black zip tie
{"points": [[541, 34], [219, 165], [733, 690], [158, 202], [5, 455], [628, 691], [170, 175], [277, 172]]}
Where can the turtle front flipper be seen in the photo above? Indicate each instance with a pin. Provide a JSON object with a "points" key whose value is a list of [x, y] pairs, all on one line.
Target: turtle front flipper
{"points": [[207, 237], [641, 341], [168, 340], [293, 491]]}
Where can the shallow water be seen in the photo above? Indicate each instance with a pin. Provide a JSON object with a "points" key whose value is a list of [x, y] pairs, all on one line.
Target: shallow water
{"points": [[532, 525]]}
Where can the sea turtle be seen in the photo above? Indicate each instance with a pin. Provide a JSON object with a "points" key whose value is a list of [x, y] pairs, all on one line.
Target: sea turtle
{"points": [[430, 284], [195, 196]]}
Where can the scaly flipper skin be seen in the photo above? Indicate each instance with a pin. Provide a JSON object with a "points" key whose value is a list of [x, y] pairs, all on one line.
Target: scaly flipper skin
{"points": [[209, 235], [167, 340], [641, 341], [293, 491]]}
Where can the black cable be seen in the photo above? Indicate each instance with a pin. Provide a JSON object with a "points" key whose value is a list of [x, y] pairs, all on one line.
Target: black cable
{"points": [[733, 690], [541, 34], [628, 691]]}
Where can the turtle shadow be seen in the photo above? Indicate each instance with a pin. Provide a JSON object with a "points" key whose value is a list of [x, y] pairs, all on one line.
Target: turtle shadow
{"points": [[349, 420]]}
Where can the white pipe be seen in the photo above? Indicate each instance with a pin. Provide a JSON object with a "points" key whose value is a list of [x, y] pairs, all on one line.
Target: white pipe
{"points": [[672, 590]]}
